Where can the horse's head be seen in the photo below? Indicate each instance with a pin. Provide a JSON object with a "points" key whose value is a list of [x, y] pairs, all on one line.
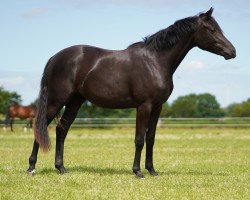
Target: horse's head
{"points": [[209, 37]]}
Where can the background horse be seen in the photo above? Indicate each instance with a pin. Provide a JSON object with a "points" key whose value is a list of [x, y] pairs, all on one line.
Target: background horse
{"points": [[22, 112], [139, 76]]}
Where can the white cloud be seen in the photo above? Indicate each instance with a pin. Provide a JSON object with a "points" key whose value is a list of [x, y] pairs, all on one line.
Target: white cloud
{"points": [[149, 3], [25, 85], [35, 12], [12, 81], [196, 65]]}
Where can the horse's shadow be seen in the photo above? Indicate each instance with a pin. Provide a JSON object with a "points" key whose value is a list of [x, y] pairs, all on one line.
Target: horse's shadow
{"points": [[91, 170], [114, 171]]}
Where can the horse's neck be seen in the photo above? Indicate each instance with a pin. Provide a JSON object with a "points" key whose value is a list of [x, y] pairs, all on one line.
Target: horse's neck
{"points": [[173, 57]]}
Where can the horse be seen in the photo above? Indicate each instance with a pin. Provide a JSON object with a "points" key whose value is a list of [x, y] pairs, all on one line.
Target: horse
{"points": [[22, 112], [140, 77]]}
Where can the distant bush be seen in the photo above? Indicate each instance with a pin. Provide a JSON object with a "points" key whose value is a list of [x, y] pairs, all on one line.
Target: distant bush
{"points": [[239, 109], [193, 105], [8, 98]]}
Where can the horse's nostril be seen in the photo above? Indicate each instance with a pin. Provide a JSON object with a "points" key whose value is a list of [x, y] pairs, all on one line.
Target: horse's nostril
{"points": [[234, 51]]}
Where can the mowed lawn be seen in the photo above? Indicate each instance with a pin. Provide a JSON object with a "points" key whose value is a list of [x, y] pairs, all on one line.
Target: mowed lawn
{"points": [[198, 163]]}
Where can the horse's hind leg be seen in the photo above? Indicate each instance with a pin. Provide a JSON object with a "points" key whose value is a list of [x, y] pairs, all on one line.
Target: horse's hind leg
{"points": [[62, 128], [11, 124], [33, 157], [31, 123]]}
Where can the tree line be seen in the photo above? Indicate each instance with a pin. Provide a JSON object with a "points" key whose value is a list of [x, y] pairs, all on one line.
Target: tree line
{"points": [[8, 98], [192, 105]]}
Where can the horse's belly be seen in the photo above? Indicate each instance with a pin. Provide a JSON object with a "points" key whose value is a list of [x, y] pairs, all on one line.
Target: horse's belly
{"points": [[112, 103], [108, 98], [108, 94]]}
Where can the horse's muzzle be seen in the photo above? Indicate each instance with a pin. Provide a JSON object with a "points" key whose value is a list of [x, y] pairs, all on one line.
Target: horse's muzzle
{"points": [[231, 54]]}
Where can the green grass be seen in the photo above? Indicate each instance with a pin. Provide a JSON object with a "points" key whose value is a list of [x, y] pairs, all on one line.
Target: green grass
{"points": [[198, 163]]}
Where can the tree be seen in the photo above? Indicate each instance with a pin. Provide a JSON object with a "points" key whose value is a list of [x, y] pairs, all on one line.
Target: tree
{"points": [[192, 105], [34, 103], [207, 106], [8, 98], [166, 110], [184, 106], [239, 109]]}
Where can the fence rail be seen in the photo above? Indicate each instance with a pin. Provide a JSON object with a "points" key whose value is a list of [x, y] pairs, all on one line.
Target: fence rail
{"points": [[164, 122]]}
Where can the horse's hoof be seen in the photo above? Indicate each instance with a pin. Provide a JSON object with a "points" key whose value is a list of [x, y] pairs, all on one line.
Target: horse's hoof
{"points": [[139, 175], [31, 172], [153, 173], [61, 169]]}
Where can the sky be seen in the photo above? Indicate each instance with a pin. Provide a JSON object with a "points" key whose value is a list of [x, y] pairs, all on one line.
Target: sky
{"points": [[34, 30]]}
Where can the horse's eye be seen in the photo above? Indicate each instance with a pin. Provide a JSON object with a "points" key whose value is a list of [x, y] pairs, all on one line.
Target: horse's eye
{"points": [[211, 30]]}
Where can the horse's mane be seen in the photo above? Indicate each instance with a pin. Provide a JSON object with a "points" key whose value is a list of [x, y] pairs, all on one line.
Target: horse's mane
{"points": [[167, 38]]}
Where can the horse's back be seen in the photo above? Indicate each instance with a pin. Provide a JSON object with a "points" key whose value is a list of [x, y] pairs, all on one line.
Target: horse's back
{"points": [[22, 112]]}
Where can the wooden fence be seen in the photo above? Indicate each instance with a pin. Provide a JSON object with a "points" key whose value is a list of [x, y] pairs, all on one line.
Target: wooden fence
{"points": [[163, 122]]}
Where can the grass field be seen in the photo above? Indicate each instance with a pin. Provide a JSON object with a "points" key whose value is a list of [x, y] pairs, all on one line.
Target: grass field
{"points": [[198, 163]]}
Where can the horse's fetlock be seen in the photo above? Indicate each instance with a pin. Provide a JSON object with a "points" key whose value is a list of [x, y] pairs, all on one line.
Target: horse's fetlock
{"points": [[58, 165], [136, 169], [32, 160]]}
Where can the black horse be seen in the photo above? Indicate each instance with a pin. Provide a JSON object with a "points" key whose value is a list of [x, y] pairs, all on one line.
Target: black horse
{"points": [[138, 77]]}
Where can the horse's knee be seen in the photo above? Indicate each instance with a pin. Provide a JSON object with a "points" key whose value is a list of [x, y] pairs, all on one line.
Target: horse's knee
{"points": [[139, 144]]}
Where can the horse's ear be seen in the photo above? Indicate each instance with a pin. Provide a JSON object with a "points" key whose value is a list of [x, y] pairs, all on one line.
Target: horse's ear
{"points": [[207, 15]]}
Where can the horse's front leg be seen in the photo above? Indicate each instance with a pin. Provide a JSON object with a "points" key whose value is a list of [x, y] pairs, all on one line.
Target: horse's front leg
{"points": [[150, 139], [142, 118]]}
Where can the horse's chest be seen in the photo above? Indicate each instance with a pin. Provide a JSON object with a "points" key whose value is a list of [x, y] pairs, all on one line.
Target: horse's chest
{"points": [[163, 91]]}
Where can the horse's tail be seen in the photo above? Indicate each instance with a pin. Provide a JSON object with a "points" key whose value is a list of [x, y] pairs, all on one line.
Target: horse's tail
{"points": [[41, 131], [7, 117]]}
